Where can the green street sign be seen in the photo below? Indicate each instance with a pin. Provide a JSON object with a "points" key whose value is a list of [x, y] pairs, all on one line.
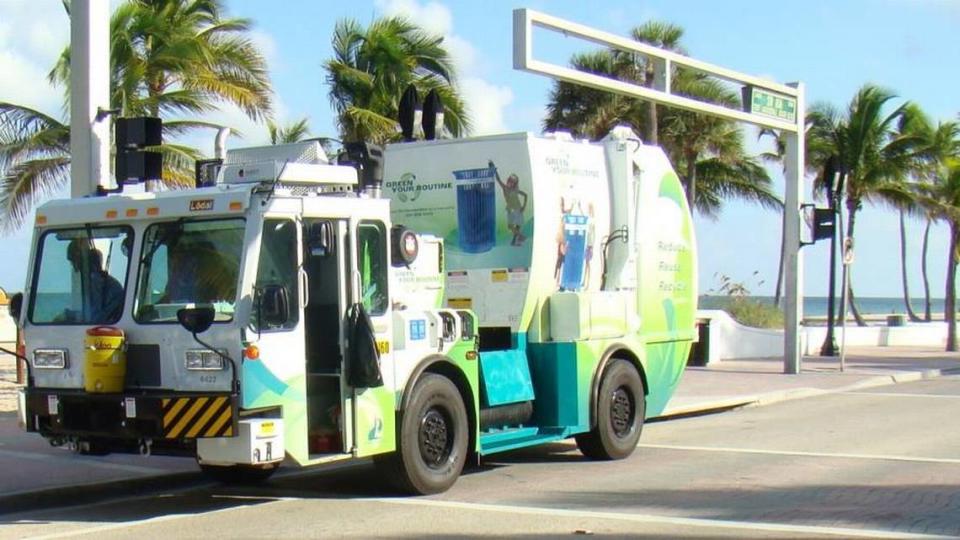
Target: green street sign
{"points": [[759, 101]]}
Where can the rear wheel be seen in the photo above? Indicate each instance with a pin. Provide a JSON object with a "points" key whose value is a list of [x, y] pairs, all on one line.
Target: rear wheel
{"points": [[239, 474], [432, 439], [620, 411]]}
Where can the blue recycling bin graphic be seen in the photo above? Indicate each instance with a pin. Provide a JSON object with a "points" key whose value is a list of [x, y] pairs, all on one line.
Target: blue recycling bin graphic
{"points": [[476, 209], [575, 235]]}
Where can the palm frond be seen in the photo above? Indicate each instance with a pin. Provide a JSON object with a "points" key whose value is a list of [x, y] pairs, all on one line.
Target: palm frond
{"points": [[27, 182]]}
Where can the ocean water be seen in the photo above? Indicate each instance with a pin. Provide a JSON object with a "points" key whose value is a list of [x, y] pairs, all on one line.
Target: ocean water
{"points": [[816, 306]]}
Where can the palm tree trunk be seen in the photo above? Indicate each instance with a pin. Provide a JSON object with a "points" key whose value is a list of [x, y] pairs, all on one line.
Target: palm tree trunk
{"points": [[923, 269], [950, 299], [692, 182], [783, 248], [851, 221], [650, 134], [903, 269]]}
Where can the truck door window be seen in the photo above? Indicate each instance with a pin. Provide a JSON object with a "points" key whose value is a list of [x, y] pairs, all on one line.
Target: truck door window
{"points": [[372, 263], [80, 276], [277, 266], [189, 262]]}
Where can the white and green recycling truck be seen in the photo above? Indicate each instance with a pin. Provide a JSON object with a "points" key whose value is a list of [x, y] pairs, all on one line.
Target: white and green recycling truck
{"points": [[486, 294]]}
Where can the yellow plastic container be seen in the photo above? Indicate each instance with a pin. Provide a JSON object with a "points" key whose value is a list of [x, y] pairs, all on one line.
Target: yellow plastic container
{"points": [[105, 360]]}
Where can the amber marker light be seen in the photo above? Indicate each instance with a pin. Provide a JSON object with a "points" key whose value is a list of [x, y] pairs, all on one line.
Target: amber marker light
{"points": [[131, 212], [41, 220], [236, 205], [251, 352], [471, 355], [153, 211], [111, 214]]}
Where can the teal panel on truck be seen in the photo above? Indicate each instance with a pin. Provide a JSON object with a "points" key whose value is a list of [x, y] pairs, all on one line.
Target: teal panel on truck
{"points": [[506, 377], [562, 385]]}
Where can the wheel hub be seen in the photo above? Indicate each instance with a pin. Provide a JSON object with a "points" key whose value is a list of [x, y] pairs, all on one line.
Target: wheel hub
{"points": [[621, 412], [435, 439]]}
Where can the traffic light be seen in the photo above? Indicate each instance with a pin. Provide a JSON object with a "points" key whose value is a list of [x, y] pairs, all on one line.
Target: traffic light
{"points": [[134, 164]]}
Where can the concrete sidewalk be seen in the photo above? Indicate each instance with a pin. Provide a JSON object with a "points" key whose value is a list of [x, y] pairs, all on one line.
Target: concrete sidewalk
{"points": [[34, 474], [736, 383]]}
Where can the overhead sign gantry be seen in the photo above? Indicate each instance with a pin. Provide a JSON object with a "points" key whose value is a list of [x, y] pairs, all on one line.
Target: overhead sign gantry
{"points": [[766, 104]]}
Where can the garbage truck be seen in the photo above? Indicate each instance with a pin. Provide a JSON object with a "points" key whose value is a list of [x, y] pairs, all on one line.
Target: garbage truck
{"points": [[422, 304]]}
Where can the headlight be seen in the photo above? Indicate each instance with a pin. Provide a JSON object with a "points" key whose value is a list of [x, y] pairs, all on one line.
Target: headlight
{"points": [[50, 358], [203, 359]]}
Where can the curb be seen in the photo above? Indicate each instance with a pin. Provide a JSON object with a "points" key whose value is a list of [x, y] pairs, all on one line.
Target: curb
{"points": [[92, 493], [769, 398]]}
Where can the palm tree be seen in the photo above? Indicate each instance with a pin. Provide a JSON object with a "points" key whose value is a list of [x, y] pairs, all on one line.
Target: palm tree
{"points": [[34, 160], [868, 146], [913, 123], [941, 144], [688, 136], [168, 58], [942, 199], [703, 149], [665, 36], [590, 113], [291, 133], [372, 66]]}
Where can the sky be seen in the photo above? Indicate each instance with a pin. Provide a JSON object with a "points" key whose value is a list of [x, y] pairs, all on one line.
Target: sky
{"points": [[909, 46]]}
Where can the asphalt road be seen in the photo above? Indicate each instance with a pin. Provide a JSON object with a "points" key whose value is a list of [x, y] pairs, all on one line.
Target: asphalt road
{"points": [[882, 462]]}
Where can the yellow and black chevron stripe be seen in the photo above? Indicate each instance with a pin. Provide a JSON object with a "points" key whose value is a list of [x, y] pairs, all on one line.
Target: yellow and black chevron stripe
{"points": [[197, 417]]}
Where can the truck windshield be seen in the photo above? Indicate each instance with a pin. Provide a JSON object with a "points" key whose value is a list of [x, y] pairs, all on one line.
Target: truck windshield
{"points": [[188, 263], [80, 276]]}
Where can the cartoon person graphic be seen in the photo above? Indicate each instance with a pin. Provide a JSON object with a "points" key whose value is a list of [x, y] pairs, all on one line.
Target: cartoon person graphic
{"points": [[515, 209], [588, 255], [561, 243]]}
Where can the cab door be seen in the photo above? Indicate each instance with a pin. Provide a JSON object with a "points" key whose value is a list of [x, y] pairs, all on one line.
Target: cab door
{"points": [[275, 378], [374, 411]]}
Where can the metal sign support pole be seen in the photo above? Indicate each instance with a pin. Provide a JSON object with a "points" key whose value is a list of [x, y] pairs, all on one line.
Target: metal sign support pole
{"points": [[766, 103]]}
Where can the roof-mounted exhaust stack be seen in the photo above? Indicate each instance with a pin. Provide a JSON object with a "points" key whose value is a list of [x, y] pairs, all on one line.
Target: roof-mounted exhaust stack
{"points": [[432, 116], [367, 158], [420, 118]]}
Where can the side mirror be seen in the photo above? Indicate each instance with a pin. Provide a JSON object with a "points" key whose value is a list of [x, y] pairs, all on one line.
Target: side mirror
{"points": [[321, 239], [16, 306], [196, 319], [274, 306]]}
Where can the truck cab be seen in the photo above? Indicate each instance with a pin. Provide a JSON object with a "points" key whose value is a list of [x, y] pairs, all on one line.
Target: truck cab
{"points": [[289, 267]]}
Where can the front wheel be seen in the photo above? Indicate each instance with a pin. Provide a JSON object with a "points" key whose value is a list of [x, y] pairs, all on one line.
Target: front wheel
{"points": [[432, 439], [620, 409]]}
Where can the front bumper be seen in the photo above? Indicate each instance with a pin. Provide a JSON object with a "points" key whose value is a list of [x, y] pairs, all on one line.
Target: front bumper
{"points": [[58, 413]]}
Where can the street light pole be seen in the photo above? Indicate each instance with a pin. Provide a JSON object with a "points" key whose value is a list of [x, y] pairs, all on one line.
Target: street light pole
{"points": [[89, 94]]}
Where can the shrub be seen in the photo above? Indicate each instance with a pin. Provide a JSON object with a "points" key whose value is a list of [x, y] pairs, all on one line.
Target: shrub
{"points": [[744, 309]]}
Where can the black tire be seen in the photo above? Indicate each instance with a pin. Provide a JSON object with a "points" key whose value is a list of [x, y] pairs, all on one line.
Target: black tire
{"points": [[432, 439], [239, 474], [620, 409]]}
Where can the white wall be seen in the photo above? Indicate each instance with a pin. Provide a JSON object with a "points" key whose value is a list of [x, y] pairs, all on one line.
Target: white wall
{"points": [[731, 340], [8, 330]]}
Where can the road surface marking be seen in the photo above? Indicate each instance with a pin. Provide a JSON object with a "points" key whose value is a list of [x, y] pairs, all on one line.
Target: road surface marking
{"points": [[149, 521], [38, 456], [649, 518], [951, 461], [894, 394]]}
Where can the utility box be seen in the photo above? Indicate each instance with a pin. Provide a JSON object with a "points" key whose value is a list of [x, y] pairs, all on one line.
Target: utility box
{"points": [[259, 441]]}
